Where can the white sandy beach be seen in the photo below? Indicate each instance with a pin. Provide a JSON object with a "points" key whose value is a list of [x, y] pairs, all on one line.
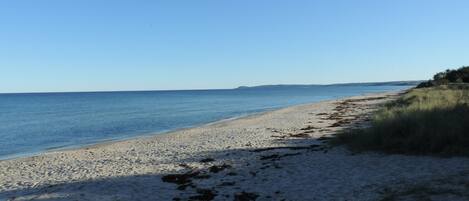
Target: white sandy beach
{"points": [[278, 155]]}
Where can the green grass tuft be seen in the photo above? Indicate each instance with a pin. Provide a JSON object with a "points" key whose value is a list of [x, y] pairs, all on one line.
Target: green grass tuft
{"points": [[423, 121]]}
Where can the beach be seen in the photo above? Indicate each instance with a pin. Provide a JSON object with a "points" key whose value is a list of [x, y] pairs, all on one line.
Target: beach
{"points": [[276, 155]]}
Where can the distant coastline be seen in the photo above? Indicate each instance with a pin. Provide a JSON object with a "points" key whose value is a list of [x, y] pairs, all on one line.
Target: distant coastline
{"points": [[390, 83]]}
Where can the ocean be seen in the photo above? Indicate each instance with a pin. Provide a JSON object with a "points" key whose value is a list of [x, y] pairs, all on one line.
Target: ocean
{"points": [[31, 123]]}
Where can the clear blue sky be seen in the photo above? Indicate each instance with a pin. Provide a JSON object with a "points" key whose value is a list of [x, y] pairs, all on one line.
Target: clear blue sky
{"points": [[90, 45]]}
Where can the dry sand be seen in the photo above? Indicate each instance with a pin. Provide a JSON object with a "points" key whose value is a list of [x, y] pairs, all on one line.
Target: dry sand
{"points": [[278, 155]]}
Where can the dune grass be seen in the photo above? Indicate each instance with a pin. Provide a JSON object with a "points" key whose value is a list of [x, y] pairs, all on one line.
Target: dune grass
{"points": [[431, 120]]}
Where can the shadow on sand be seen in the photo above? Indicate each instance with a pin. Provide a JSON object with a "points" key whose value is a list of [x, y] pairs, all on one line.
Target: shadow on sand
{"points": [[221, 170]]}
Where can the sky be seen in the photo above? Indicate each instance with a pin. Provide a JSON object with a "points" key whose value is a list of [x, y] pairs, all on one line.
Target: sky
{"points": [[108, 45]]}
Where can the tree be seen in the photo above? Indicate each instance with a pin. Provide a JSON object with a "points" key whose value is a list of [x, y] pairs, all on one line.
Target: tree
{"points": [[460, 75]]}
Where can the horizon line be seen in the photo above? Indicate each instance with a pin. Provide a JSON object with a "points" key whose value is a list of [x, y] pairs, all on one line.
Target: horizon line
{"points": [[202, 89]]}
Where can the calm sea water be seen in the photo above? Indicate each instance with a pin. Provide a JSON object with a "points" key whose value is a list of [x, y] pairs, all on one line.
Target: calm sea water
{"points": [[33, 123]]}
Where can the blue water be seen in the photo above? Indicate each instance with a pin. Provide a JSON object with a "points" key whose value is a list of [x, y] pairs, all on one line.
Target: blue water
{"points": [[33, 123]]}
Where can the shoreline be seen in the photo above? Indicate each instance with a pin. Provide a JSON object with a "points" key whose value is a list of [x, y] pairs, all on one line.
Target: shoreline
{"points": [[138, 136], [153, 134], [278, 154]]}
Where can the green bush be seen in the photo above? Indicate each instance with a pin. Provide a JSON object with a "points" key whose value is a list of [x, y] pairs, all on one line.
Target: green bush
{"points": [[460, 75]]}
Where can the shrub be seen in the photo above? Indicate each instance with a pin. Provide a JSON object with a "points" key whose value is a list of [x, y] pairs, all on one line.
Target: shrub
{"points": [[460, 75]]}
